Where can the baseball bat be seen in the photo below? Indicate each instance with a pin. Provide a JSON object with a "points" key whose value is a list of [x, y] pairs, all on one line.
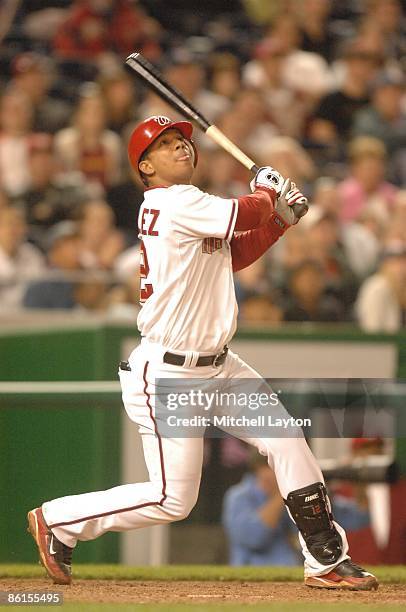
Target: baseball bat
{"points": [[153, 78]]}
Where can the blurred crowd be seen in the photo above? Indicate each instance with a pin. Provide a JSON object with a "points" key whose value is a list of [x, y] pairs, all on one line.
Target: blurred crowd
{"points": [[315, 88]]}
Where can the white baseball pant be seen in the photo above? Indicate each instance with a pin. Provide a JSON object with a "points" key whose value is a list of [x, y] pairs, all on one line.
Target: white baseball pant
{"points": [[174, 464]]}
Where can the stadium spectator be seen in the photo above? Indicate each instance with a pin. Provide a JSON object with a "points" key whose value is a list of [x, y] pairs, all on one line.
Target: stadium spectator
{"points": [[260, 130], [120, 100], [91, 294], [304, 72], [48, 200], [261, 310], [225, 75], [307, 298], [385, 117], [187, 74], [99, 242], [20, 262], [57, 291], [267, 71], [381, 302], [326, 196], [41, 20], [362, 243], [365, 189], [316, 35], [88, 146], [94, 27], [15, 134], [356, 244], [251, 282], [257, 524], [123, 299], [264, 72], [66, 285], [33, 77], [332, 120], [389, 18], [224, 177], [395, 231], [235, 127], [285, 256], [326, 246]]}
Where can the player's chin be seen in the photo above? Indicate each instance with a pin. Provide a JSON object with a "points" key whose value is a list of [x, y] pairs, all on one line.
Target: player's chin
{"points": [[184, 171]]}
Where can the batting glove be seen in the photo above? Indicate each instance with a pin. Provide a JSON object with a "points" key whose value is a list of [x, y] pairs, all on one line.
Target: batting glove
{"points": [[291, 204], [268, 178]]}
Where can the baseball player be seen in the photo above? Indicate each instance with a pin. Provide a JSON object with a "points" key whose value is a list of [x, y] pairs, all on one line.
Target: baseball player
{"points": [[191, 242]]}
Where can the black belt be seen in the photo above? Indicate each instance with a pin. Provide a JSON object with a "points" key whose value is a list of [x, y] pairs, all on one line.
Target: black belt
{"points": [[204, 360]]}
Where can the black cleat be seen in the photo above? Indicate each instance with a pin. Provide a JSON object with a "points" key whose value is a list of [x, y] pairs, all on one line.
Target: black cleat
{"points": [[346, 576]]}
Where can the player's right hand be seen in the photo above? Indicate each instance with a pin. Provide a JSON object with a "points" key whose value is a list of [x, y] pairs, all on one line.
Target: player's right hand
{"points": [[291, 204], [268, 178]]}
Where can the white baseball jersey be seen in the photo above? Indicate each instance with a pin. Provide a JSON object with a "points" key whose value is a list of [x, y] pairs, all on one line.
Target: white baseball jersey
{"points": [[187, 287]]}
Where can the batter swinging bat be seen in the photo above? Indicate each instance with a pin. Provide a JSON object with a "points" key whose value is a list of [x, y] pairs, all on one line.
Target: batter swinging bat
{"points": [[152, 77]]}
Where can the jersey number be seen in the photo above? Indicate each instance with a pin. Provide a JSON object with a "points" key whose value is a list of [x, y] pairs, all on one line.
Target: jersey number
{"points": [[146, 289], [147, 229]]}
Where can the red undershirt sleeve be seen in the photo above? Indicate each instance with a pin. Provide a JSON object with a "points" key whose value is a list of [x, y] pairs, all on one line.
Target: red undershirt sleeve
{"points": [[248, 246], [255, 209]]}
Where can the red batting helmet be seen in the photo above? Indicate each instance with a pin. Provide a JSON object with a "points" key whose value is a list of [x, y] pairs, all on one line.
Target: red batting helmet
{"points": [[147, 131]]}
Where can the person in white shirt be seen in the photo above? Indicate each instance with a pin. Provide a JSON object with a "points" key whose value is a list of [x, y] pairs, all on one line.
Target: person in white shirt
{"points": [[15, 135], [20, 261], [381, 301]]}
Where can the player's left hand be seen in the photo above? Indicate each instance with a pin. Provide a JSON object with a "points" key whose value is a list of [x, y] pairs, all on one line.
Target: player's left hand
{"points": [[291, 204]]}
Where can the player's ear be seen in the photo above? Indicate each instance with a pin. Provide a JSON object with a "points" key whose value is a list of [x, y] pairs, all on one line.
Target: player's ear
{"points": [[146, 167]]}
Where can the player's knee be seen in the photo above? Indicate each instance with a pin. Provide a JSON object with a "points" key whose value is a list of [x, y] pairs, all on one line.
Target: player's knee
{"points": [[177, 513], [178, 507]]}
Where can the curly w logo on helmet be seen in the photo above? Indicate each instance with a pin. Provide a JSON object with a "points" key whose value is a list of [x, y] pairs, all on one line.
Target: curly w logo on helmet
{"points": [[161, 119]]}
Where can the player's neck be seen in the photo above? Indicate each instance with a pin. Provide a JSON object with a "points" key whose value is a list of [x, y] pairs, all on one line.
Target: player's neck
{"points": [[150, 187], [162, 183]]}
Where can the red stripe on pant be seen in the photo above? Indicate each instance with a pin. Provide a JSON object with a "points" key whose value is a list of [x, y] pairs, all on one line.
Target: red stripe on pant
{"points": [[161, 458]]}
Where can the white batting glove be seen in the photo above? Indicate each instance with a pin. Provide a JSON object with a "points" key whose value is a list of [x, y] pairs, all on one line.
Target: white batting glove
{"points": [[291, 204], [269, 178]]}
